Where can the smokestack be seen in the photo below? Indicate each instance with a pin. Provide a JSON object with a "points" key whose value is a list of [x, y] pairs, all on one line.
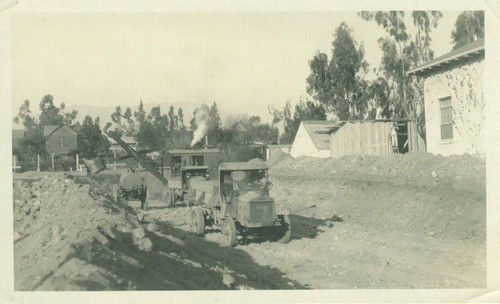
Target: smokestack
{"points": [[206, 141]]}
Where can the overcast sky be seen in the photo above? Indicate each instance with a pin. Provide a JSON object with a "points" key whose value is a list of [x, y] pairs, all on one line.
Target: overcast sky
{"points": [[243, 61]]}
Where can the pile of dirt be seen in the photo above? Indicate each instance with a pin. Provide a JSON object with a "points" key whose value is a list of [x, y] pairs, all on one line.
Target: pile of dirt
{"points": [[277, 156], [416, 193], [69, 234], [415, 165]]}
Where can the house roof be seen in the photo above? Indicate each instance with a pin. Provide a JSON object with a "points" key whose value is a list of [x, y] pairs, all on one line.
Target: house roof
{"points": [[469, 51], [48, 130], [319, 132]]}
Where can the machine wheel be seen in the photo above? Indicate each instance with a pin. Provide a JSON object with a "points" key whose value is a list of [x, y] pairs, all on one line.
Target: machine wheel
{"points": [[286, 229], [169, 197], [115, 193], [144, 198], [229, 232], [198, 221]]}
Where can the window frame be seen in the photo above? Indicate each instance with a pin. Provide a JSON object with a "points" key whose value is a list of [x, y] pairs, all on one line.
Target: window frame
{"points": [[446, 119], [195, 157], [62, 142]]}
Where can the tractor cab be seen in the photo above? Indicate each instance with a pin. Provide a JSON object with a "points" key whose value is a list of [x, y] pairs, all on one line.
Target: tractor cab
{"points": [[240, 179], [245, 193]]}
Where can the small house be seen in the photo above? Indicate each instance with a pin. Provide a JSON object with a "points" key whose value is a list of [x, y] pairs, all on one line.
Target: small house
{"points": [[313, 139], [454, 104], [61, 139]]}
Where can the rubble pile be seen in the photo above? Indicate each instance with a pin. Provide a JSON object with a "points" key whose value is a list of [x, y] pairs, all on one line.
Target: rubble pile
{"points": [[69, 234], [54, 215]]}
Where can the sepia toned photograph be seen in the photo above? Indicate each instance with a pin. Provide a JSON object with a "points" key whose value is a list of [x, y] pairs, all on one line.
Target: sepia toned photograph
{"points": [[189, 151]]}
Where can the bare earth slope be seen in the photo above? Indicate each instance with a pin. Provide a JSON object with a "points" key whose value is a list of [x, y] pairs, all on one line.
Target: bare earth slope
{"points": [[412, 221]]}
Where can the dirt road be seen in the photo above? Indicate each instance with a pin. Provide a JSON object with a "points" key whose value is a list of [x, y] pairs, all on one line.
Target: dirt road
{"points": [[415, 221]]}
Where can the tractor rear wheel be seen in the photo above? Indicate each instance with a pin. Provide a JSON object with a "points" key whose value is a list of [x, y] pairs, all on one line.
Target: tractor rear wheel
{"points": [[229, 232], [286, 229], [198, 221]]}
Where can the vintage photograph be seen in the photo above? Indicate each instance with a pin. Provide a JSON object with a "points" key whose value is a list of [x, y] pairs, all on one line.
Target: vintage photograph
{"points": [[248, 150]]}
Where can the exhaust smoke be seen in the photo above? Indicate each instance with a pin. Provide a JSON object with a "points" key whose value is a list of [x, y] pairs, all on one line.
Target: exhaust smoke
{"points": [[201, 122]]}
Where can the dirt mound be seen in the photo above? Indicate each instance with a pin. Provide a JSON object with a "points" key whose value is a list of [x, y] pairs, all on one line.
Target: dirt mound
{"points": [[416, 192], [277, 157], [418, 164], [71, 235]]}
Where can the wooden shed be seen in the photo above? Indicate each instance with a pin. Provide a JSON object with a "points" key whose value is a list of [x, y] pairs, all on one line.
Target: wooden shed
{"points": [[374, 138]]}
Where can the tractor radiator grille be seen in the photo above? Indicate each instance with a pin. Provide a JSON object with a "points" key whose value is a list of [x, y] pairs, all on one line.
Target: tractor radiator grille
{"points": [[262, 212]]}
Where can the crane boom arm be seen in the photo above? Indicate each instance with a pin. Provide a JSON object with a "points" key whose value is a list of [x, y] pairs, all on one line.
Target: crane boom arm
{"points": [[141, 160]]}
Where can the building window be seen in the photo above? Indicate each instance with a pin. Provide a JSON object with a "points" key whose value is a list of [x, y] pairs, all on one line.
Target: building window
{"points": [[61, 142], [197, 160], [446, 118]]}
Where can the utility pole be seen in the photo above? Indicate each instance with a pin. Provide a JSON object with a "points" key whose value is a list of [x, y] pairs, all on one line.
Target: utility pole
{"points": [[38, 163], [52, 154]]}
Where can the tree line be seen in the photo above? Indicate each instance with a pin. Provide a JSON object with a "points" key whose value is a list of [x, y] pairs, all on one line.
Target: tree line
{"points": [[155, 131], [338, 85]]}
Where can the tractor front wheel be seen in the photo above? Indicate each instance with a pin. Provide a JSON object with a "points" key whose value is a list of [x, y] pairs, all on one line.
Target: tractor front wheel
{"points": [[198, 221], [229, 232], [169, 197]]}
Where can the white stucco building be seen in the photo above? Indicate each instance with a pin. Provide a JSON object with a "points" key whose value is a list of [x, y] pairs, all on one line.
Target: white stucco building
{"points": [[454, 104]]}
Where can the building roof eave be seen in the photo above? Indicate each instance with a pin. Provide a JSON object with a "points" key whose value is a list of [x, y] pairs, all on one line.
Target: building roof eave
{"points": [[470, 51]]}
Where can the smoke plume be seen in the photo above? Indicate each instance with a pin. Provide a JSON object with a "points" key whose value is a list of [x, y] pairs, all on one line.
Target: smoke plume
{"points": [[201, 122]]}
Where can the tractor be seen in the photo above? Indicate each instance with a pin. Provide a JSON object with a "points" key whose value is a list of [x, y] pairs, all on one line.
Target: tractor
{"points": [[238, 202]]}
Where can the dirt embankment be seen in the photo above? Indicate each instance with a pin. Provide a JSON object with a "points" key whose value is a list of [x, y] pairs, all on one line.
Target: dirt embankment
{"points": [[416, 193], [71, 235]]}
